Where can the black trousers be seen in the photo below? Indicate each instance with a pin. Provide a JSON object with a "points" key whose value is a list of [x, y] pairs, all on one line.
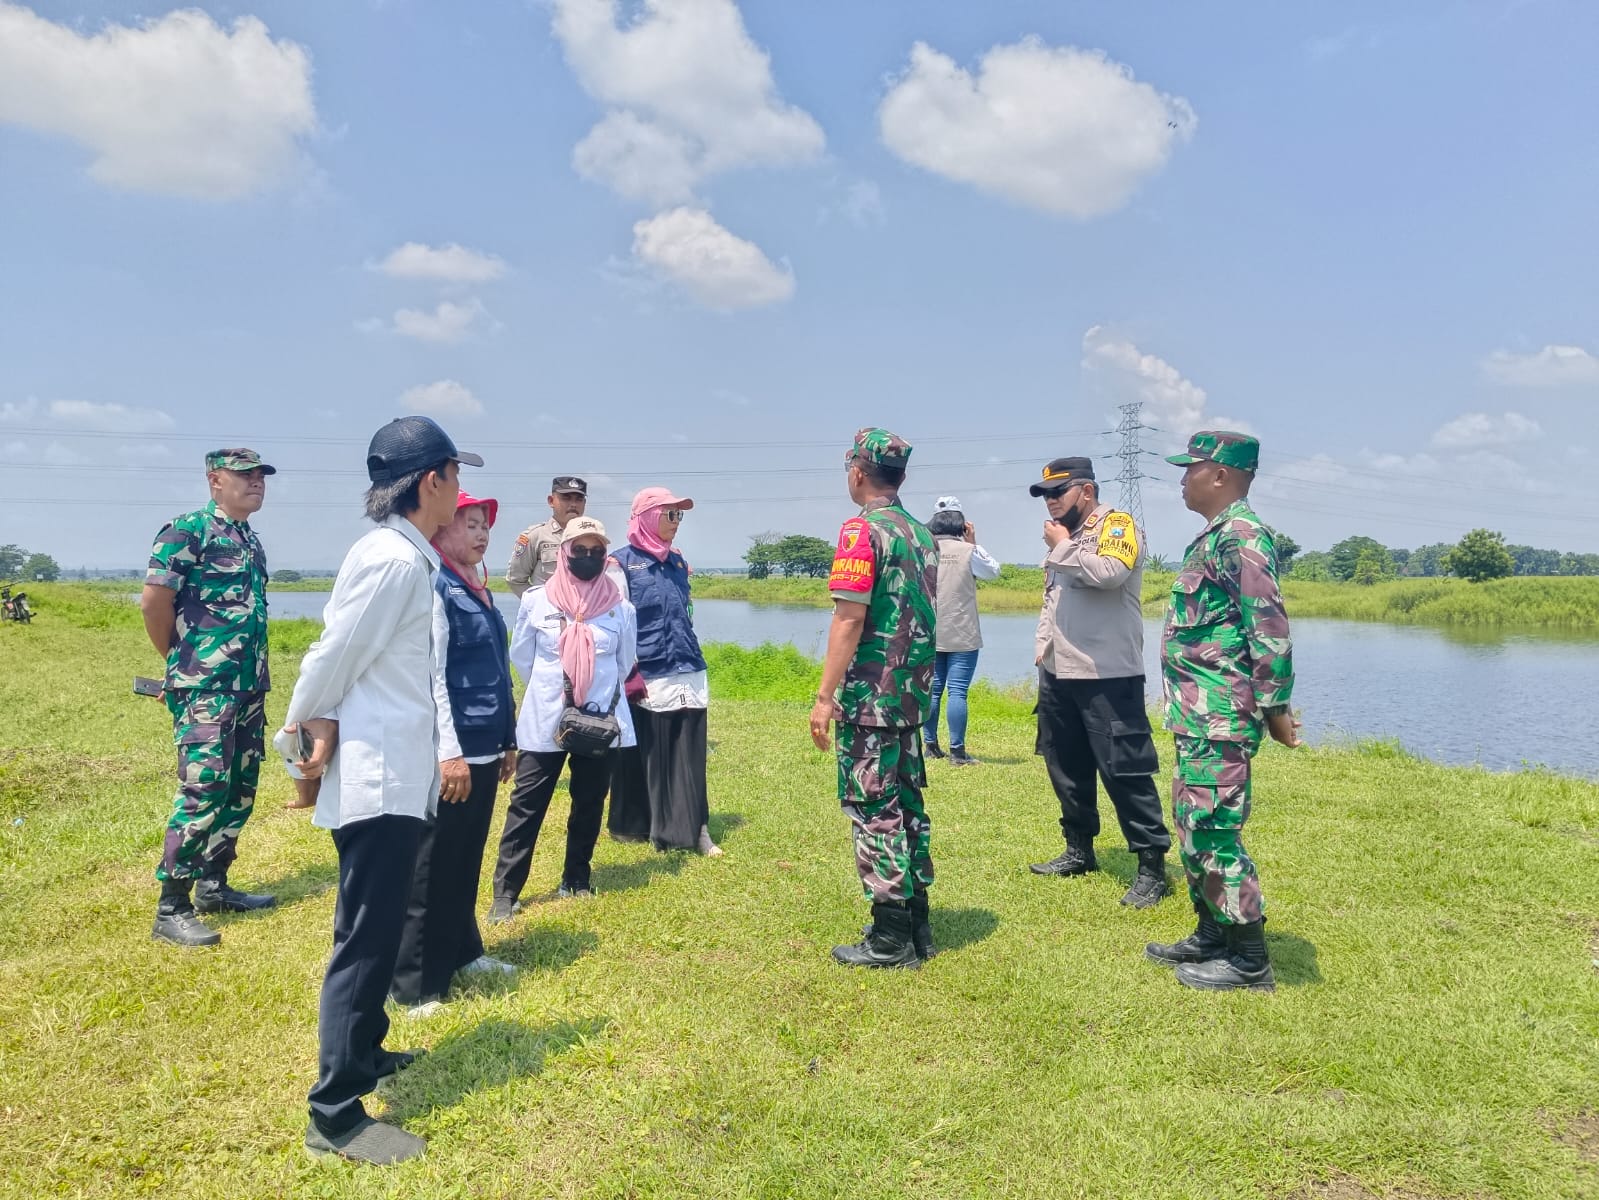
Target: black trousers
{"points": [[536, 775], [375, 859], [660, 789], [1100, 726], [441, 934]]}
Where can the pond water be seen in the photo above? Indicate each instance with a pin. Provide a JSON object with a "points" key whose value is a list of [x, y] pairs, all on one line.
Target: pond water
{"points": [[1504, 700]]}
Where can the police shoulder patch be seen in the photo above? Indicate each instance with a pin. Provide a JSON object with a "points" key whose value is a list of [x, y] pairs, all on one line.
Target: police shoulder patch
{"points": [[1118, 539]]}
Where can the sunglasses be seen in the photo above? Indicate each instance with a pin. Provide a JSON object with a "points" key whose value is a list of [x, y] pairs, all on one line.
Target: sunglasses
{"points": [[591, 552], [674, 515], [1055, 493]]}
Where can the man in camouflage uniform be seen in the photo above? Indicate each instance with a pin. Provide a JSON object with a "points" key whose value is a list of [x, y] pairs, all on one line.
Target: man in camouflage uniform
{"points": [[538, 547], [1228, 672], [877, 686], [204, 607]]}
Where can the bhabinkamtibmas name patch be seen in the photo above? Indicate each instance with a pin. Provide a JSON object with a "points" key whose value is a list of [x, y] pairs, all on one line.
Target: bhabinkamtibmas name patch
{"points": [[1118, 539]]}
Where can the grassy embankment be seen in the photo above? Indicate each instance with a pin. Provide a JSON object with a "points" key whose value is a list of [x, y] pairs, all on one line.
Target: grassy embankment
{"points": [[1435, 1032], [1530, 603]]}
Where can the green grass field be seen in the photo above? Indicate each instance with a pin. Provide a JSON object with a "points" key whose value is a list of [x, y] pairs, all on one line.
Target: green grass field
{"points": [[1435, 1032]]}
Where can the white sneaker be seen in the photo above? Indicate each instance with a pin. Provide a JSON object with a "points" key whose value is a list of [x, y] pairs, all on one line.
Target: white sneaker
{"points": [[484, 965], [419, 1012]]}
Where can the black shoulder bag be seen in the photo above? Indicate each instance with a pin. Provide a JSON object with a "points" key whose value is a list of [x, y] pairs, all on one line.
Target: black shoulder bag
{"points": [[588, 731]]}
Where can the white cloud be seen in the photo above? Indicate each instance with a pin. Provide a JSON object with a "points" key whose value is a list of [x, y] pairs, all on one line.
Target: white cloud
{"points": [[14, 413], [863, 203], [82, 414], [450, 263], [1059, 129], [717, 268], [1553, 366], [689, 95], [1172, 403], [1475, 431], [445, 325], [444, 398], [176, 105]]}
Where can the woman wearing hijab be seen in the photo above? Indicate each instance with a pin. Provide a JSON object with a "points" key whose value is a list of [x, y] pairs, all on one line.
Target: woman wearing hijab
{"points": [[477, 752], [660, 791], [576, 629]]}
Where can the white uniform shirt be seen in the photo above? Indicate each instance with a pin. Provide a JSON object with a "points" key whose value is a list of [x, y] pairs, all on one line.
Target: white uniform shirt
{"points": [[372, 671], [536, 655]]}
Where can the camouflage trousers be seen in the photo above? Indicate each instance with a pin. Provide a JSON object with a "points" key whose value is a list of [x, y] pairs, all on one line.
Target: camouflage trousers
{"points": [[880, 782], [220, 738], [1210, 803]]}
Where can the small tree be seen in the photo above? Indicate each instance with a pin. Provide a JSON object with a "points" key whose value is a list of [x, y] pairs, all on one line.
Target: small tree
{"points": [[1311, 567], [11, 559], [41, 566], [801, 554], [760, 556], [1480, 555], [1427, 560], [288, 576], [1343, 557], [1372, 566]]}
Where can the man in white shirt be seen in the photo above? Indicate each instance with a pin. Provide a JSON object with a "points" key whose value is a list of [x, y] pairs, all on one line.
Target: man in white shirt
{"points": [[365, 694]]}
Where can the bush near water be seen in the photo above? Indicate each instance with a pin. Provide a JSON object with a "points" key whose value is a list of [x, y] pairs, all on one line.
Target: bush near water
{"points": [[1435, 1031]]}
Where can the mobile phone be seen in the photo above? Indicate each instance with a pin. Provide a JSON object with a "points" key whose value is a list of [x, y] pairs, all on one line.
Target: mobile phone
{"points": [[295, 748], [144, 686]]}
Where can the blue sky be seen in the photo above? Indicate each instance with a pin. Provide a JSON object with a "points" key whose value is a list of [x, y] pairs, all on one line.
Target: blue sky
{"points": [[699, 244]]}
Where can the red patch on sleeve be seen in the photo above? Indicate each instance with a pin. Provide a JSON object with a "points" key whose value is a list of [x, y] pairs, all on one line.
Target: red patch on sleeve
{"points": [[854, 565]]}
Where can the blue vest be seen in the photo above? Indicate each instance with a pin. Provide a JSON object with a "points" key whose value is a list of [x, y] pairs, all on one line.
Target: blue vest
{"points": [[477, 670], [659, 590]]}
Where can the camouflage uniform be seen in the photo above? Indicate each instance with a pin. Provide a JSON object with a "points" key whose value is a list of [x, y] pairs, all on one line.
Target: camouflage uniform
{"points": [[216, 679], [1226, 660], [889, 560]]}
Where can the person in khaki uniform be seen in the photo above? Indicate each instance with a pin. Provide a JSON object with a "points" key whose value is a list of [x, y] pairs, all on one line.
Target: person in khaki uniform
{"points": [[538, 547], [1090, 654]]}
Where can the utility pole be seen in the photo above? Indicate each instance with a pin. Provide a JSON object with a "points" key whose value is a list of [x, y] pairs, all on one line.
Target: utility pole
{"points": [[1131, 454]]}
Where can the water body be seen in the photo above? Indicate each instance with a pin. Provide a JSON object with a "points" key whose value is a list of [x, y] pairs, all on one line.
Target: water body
{"points": [[1502, 700]]}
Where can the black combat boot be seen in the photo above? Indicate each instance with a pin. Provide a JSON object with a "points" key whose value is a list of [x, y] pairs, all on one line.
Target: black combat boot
{"points": [[1150, 883], [921, 928], [212, 894], [932, 749], [1077, 859], [959, 758], [889, 943], [1245, 964], [1205, 943], [175, 921]]}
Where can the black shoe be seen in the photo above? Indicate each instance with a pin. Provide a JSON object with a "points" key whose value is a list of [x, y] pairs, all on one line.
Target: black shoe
{"points": [[500, 911], [888, 944], [175, 921], [921, 928], [1074, 860], [959, 758], [1245, 964], [568, 891], [1149, 886], [1205, 943], [369, 1142], [931, 749], [212, 894]]}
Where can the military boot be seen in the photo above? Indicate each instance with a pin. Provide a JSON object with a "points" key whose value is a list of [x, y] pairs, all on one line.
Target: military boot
{"points": [[212, 894], [889, 944], [921, 927], [1149, 886], [175, 920], [1077, 859], [1245, 964], [1205, 943]]}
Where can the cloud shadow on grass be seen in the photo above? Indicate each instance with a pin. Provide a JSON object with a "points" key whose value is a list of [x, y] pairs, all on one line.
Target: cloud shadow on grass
{"points": [[957, 927], [486, 1056]]}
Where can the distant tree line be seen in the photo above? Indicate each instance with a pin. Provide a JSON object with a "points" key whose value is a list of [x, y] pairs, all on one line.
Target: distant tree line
{"points": [[1481, 554], [17, 563], [794, 554]]}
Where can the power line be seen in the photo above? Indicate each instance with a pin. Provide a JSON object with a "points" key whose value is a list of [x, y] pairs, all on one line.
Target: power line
{"points": [[1131, 451]]}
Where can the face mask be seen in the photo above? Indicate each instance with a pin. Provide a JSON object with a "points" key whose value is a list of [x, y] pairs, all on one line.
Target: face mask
{"points": [[1072, 518], [587, 567]]}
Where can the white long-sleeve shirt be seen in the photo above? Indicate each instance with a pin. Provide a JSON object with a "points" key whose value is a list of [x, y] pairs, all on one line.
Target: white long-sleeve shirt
{"points": [[536, 655], [372, 670]]}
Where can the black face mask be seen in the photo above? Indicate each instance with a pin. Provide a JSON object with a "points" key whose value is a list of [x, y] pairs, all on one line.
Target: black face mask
{"points": [[586, 566], [1072, 518]]}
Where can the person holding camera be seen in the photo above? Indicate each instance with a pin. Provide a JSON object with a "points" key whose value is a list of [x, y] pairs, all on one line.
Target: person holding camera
{"points": [[575, 640], [961, 563]]}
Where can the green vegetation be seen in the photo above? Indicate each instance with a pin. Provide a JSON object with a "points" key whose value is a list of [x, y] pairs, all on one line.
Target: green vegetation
{"points": [[794, 554], [1435, 1031], [1481, 555]]}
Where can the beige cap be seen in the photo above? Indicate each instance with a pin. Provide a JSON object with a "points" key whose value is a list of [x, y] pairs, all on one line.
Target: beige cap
{"points": [[584, 527]]}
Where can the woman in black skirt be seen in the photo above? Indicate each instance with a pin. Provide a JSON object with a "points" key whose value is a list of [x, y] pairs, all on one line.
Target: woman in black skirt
{"points": [[659, 789]]}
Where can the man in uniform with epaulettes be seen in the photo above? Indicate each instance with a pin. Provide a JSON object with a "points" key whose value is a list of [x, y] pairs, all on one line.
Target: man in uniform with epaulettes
{"points": [[538, 547]]}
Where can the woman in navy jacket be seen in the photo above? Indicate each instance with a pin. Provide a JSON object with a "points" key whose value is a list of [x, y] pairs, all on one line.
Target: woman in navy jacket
{"points": [[477, 752]]}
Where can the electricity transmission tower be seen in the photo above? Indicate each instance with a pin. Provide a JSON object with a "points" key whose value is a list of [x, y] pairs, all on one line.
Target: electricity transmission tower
{"points": [[1131, 454]]}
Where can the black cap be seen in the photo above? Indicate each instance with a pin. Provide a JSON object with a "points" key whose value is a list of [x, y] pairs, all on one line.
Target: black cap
{"points": [[1061, 472], [408, 444], [569, 483]]}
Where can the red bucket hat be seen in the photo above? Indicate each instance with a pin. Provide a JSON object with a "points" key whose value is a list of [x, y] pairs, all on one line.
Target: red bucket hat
{"points": [[466, 500]]}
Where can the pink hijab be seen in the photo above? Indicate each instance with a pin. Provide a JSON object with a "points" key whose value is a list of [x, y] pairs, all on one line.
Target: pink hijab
{"points": [[644, 529], [580, 602]]}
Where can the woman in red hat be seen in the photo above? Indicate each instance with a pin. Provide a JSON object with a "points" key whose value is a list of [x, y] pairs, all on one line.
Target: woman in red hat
{"points": [[477, 752]]}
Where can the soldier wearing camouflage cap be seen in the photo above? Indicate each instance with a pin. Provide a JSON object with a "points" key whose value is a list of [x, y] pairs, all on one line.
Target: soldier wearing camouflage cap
{"points": [[877, 688], [1227, 663], [204, 606]]}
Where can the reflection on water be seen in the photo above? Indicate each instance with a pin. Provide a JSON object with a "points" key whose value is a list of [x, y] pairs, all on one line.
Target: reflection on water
{"points": [[1502, 699]]}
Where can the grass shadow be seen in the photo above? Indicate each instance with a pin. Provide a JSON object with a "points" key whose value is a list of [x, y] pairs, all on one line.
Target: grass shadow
{"points": [[486, 1056], [313, 879], [722, 824], [540, 948], [957, 927], [623, 877], [1293, 959]]}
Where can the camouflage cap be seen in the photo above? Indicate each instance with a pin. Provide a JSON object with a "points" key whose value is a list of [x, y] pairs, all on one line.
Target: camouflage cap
{"points": [[1220, 446], [881, 447], [237, 459]]}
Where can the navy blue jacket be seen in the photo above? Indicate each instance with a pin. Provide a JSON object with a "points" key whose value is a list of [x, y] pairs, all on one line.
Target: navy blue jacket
{"points": [[659, 590], [477, 670]]}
